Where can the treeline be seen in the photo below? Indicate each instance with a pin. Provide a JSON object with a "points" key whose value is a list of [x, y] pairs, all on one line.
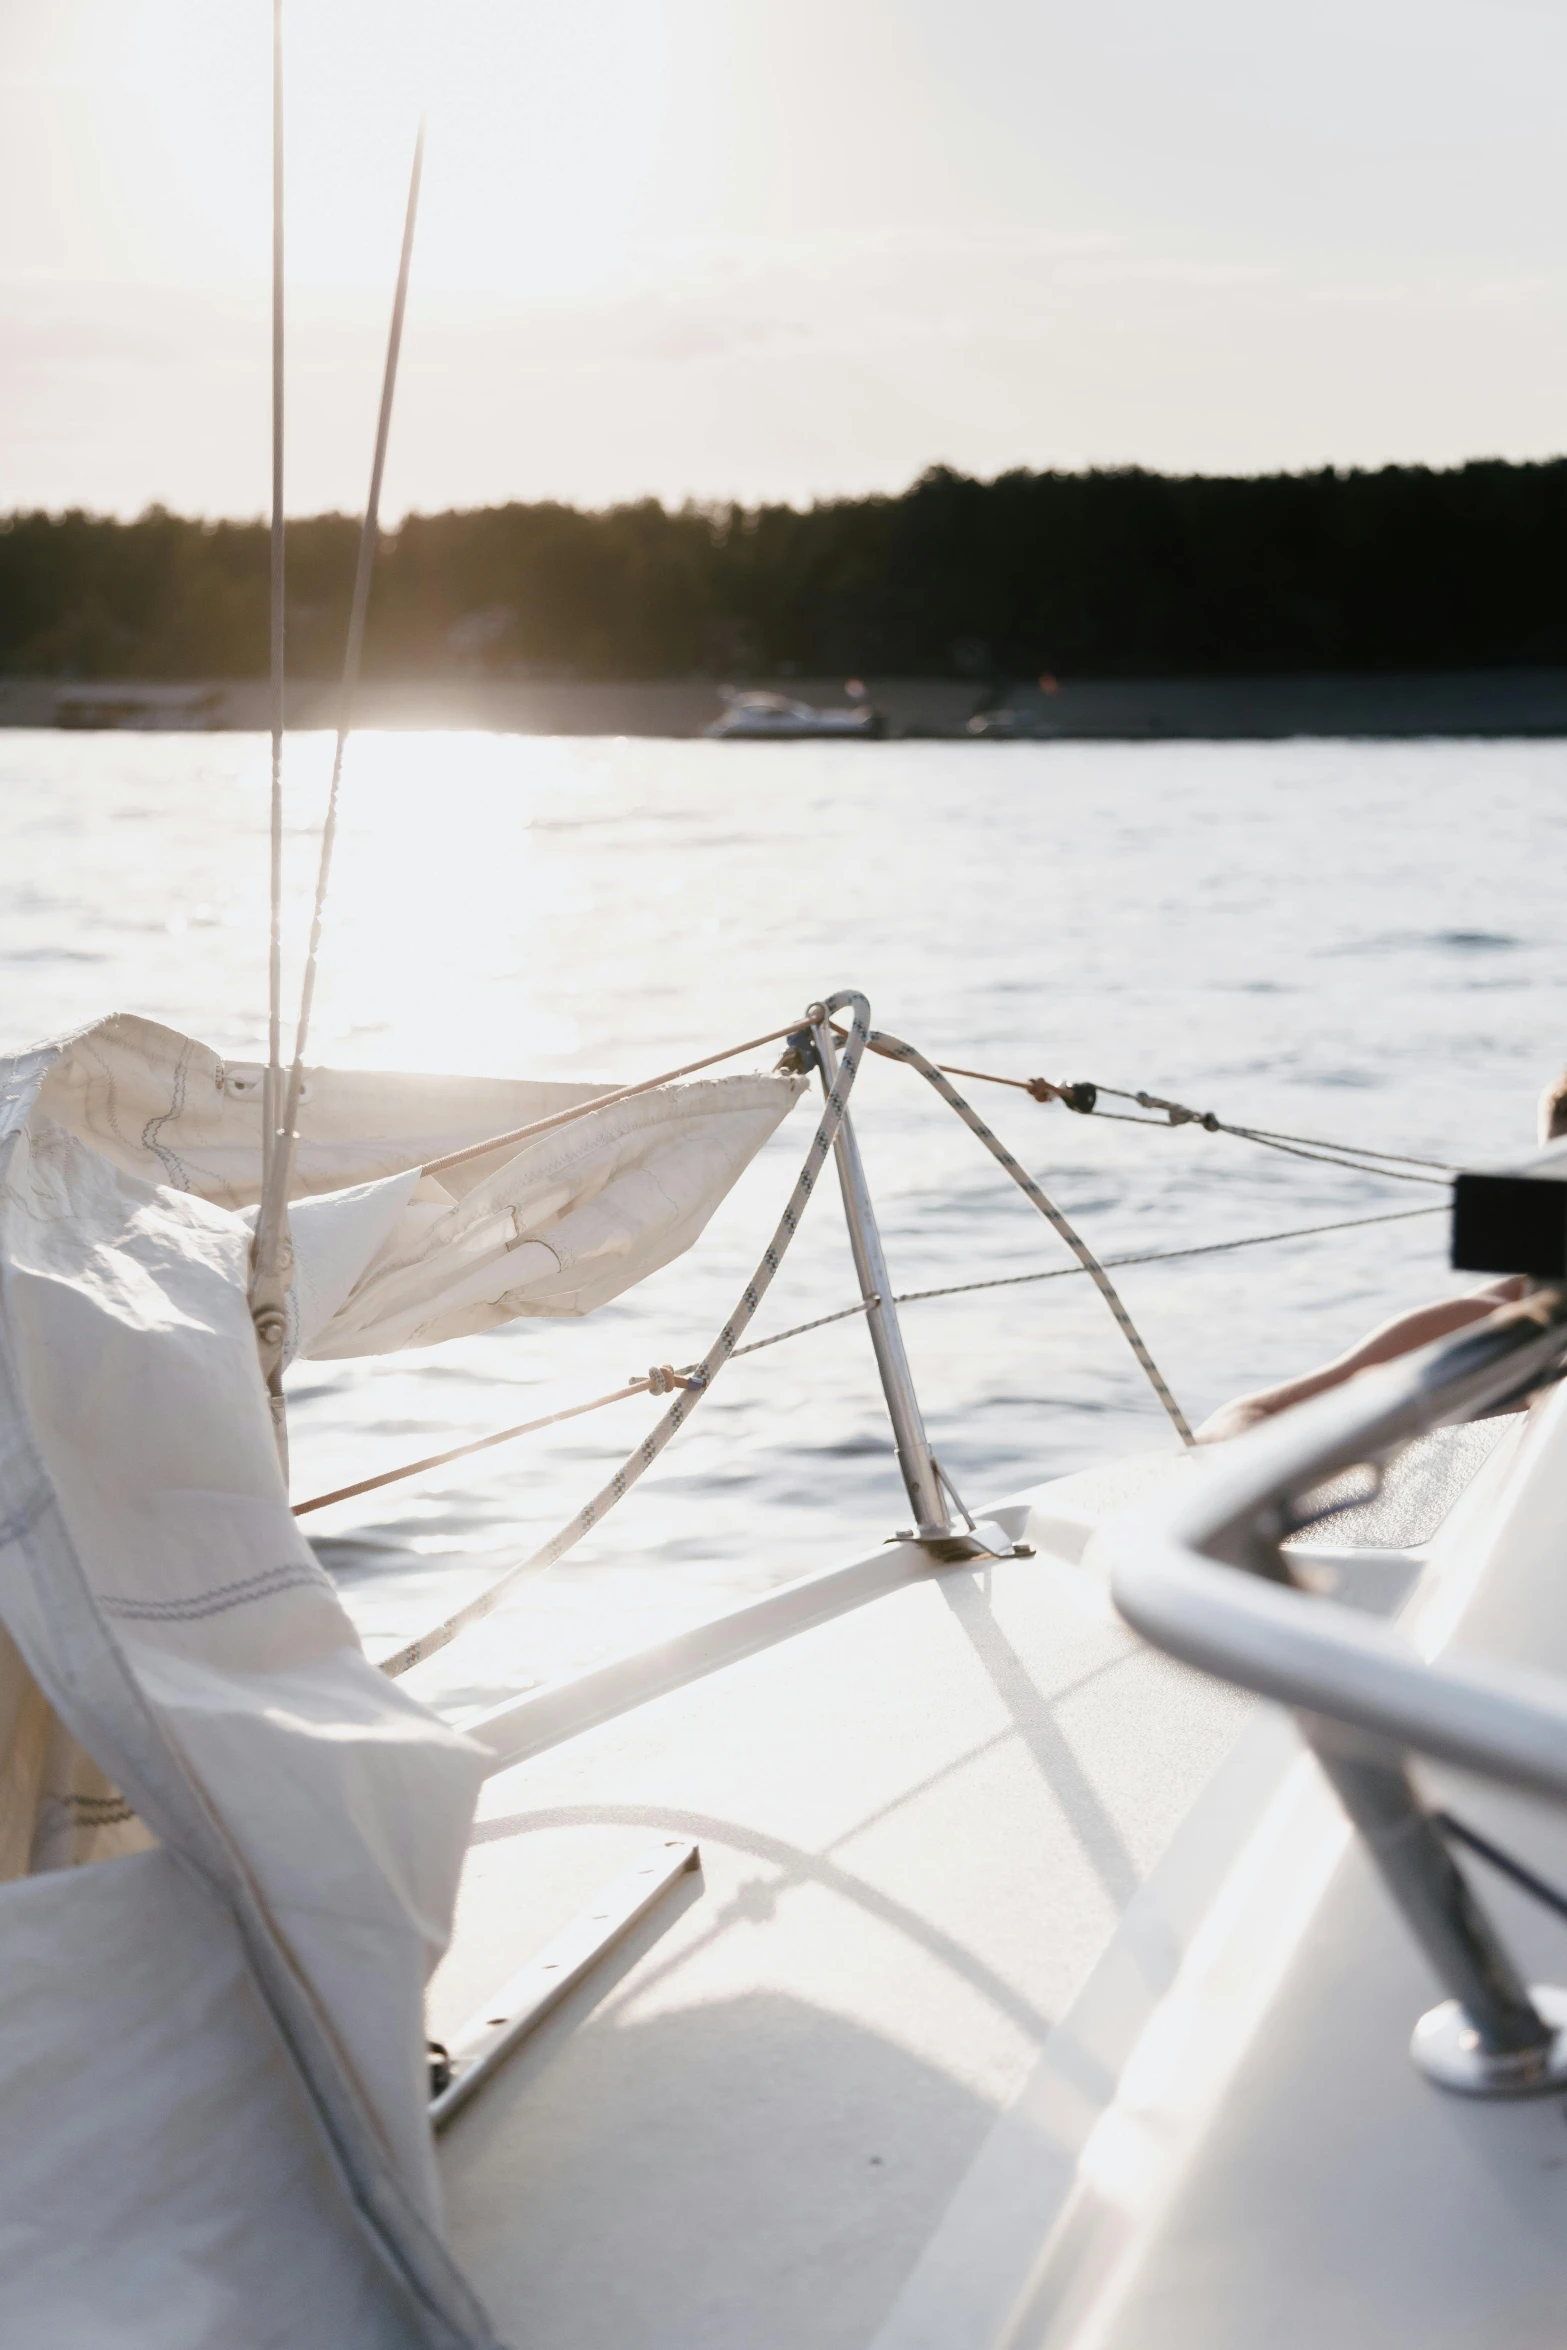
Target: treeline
{"points": [[1096, 574]]}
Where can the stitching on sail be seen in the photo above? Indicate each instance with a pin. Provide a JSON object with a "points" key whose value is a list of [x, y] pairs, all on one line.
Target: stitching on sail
{"points": [[95, 1811], [178, 1175], [213, 1603]]}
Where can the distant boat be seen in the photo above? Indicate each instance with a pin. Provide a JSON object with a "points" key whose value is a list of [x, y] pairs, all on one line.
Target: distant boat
{"points": [[148, 709], [1016, 715], [767, 717], [1007, 724]]}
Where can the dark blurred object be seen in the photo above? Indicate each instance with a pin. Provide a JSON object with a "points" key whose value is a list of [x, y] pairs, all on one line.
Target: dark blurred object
{"points": [[761, 717], [1512, 1223]]}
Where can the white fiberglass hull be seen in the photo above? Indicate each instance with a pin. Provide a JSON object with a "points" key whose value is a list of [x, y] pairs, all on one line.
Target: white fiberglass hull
{"points": [[824, 2095], [918, 1825]]}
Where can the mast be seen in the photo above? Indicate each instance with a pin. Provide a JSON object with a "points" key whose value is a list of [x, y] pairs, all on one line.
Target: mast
{"points": [[269, 1287], [268, 1267], [274, 1085]]}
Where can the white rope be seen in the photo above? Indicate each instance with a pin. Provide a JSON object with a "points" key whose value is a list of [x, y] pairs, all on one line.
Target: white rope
{"points": [[695, 1380], [724, 1348], [701, 1377], [896, 1049]]}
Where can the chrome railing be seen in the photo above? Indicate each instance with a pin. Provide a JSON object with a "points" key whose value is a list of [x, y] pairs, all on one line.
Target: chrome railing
{"points": [[1366, 1699]]}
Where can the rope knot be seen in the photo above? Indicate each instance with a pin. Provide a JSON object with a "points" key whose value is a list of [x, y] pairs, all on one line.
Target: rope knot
{"points": [[271, 1325], [663, 1379]]}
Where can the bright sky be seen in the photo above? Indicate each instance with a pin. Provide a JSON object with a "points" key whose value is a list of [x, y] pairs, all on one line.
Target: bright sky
{"points": [[777, 248]]}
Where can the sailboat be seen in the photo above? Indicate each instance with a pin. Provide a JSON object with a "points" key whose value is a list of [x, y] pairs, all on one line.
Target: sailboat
{"points": [[1127, 1915]]}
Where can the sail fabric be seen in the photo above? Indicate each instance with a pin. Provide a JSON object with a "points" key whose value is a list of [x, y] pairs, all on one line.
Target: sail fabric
{"points": [[386, 1257], [172, 1111], [217, 2129], [162, 2184]]}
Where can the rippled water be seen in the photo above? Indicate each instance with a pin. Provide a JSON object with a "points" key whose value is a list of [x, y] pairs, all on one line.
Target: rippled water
{"points": [[1348, 939]]}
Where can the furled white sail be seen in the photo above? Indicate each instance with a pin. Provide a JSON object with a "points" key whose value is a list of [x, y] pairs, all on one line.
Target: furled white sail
{"points": [[387, 1258], [225, 2139]]}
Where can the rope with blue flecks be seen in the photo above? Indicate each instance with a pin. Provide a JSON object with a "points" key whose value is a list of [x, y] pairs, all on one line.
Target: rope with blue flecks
{"points": [[696, 1378], [700, 1381], [894, 1048]]}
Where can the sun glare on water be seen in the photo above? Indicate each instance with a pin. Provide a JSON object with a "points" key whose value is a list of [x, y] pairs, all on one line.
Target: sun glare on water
{"points": [[445, 887]]}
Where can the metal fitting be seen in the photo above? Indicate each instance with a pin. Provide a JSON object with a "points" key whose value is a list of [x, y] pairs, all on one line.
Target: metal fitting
{"points": [[799, 1056]]}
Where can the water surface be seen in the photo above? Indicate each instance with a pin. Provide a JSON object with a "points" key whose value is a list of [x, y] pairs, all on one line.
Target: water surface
{"points": [[1358, 940]]}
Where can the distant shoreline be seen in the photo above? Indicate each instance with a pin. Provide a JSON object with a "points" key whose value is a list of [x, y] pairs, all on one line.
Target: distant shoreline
{"points": [[1486, 703]]}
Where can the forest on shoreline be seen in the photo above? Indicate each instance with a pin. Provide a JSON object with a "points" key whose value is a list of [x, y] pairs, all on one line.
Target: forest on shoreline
{"points": [[1101, 574]]}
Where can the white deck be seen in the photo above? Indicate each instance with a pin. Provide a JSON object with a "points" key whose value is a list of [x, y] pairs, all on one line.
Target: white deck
{"points": [[1225, 2143], [919, 1825], [819, 2099]]}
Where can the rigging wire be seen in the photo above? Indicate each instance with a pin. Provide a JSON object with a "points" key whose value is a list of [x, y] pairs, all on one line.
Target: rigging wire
{"points": [[697, 1378], [1084, 1099], [268, 1305], [1161, 1256], [1327, 1155], [861, 1305], [896, 1049], [1458, 1832], [1351, 1149]]}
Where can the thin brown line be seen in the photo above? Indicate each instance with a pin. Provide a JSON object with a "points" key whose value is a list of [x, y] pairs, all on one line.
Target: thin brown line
{"points": [[621, 1093], [437, 1460]]}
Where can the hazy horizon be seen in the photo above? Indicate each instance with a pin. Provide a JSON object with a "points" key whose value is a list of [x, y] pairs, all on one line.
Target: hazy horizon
{"points": [[676, 250]]}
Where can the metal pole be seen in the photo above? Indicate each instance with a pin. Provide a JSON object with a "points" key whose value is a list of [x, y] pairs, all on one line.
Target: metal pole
{"points": [[1490, 2038], [931, 1519]]}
